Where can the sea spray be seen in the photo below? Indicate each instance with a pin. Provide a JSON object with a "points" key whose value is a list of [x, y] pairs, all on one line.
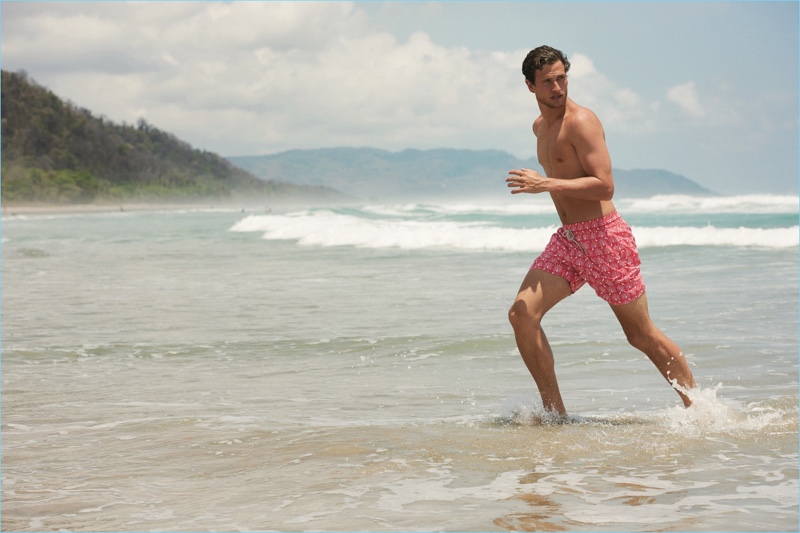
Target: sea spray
{"points": [[526, 411], [709, 414]]}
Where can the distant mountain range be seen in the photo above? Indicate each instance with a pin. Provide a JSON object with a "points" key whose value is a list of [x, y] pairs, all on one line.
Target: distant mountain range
{"points": [[373, 174]]}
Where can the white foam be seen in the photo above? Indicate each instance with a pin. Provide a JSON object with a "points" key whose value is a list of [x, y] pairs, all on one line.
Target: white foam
{"points": [[746, 204], [709, 414], [711, 236], [670, 204], [327, 228]]}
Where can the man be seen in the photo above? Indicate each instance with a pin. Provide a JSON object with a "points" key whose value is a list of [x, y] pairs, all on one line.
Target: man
{"points": [[594, 245]]}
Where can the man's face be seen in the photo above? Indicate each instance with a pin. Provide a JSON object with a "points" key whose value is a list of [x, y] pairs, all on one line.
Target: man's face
{"points": [[551, 85]]}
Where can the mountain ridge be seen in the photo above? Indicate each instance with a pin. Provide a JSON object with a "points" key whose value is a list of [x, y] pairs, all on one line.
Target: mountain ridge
{"points": [[373, 173]]}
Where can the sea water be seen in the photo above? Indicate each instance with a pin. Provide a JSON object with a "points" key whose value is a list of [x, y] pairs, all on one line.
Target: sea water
{"points": [[352, 368]]}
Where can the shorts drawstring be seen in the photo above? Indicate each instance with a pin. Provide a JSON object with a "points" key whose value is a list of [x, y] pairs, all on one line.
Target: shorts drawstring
{"points": [[567, 234]]}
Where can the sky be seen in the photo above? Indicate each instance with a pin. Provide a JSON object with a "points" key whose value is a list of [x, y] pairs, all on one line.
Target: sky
{"points": [[708, 90]]}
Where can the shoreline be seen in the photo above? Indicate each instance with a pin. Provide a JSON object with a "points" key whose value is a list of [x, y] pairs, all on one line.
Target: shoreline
{"points": [[62, 209], [243, 204]]}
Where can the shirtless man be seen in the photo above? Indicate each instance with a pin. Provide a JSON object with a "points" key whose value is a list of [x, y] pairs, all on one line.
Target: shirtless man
{"points": [[594, 245]]}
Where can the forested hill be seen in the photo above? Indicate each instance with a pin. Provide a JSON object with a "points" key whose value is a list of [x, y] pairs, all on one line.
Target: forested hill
{"points": [[53, 151]]}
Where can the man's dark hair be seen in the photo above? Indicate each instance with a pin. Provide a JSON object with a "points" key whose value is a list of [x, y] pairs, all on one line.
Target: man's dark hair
{"points": [[539, 57]]}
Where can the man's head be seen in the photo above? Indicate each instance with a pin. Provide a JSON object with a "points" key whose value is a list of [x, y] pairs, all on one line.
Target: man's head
{"points": [[538, 58]]}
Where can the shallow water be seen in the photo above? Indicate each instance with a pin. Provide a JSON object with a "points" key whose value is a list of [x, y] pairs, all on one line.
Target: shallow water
{"points": [[163, 372]]}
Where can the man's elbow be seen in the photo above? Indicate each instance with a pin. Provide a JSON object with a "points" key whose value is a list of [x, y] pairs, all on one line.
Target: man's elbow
{"points": [[606, 191]]}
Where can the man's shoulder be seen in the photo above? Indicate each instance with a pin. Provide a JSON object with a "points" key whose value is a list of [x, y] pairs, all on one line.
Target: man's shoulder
{"points": [[579, 113], [579, 118]]}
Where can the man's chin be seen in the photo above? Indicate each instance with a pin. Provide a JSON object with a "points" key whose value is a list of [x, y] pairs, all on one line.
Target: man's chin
{"points": [[554, 104]]}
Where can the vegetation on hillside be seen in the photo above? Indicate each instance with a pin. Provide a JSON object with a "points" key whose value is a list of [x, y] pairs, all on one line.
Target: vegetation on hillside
{"points": [[53, 151]]}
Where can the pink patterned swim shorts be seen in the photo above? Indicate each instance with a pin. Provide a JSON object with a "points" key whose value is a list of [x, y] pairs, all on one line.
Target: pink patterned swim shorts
{"points": [[601, 252]]}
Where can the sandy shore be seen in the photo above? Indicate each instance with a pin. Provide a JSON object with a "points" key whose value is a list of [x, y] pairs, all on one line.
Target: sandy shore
{"points": [[48, 209], [244, 204]]}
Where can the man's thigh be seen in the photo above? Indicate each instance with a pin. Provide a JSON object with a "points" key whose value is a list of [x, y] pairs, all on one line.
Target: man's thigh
{"points": [[540, 291], [634, 316]]}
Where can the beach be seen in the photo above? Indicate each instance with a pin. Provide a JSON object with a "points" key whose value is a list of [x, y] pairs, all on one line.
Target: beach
{"points": [[244, 368], [17, 209]]}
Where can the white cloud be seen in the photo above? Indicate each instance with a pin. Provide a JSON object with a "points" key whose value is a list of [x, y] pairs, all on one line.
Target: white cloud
{"points": [[685, 97], [619, 108], [258, 77]]}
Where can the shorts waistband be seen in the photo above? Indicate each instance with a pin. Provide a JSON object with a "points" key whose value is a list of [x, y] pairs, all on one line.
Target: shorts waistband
{"points": [[610, 220]]}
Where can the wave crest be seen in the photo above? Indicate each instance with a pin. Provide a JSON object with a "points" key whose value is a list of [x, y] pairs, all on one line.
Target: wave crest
{"points": [[328, 228]]}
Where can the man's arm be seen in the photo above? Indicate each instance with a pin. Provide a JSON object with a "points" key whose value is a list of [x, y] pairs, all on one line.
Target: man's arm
{"points": [[589, 141]]}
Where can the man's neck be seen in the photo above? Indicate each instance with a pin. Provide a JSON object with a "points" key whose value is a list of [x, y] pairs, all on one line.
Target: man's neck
{"points": [[553, 114]]}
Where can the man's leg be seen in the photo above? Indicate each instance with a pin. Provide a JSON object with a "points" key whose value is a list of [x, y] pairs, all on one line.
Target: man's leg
{"points": [[539, 292], [635, 320]]}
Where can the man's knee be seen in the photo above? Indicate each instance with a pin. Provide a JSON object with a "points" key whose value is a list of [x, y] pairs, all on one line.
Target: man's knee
{"points": [[637, 340], [521, 314], [642, 338]]}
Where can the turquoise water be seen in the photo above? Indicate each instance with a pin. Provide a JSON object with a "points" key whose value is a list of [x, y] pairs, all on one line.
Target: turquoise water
{"points": [[352, 368]]}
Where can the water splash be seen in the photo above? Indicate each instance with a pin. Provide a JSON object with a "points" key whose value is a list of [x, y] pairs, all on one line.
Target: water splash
{"points": [[707, 415], [522, 411], [710, 414], [526, 412]]}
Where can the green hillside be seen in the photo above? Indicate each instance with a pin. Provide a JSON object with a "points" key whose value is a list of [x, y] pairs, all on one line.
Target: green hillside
{"points": [[55, 152]]}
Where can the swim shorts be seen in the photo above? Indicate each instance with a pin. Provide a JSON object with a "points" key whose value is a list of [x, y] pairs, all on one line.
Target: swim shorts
{"points": [[601, 252]]}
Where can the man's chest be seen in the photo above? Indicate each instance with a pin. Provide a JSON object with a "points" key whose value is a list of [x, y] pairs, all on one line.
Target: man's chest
{"points": [[555, 151]]}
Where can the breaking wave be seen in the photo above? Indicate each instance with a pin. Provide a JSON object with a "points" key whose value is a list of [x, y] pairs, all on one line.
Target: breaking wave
{"points": [[518, 227]]}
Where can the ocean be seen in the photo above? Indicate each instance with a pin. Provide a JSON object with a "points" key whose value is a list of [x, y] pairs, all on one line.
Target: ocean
{"points": [[351, 368]]}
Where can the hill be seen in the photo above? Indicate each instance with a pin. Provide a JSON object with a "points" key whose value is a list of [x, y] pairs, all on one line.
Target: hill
{"points": [[369, 173], [55, 152]]}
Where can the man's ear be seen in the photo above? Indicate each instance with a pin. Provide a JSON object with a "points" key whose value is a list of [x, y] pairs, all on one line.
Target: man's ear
{"points": [[531, 87]]}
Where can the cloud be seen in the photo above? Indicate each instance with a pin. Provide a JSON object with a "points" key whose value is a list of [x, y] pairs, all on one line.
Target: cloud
{"points": [[241, 78], [619, 108], [257, 77], [686, 98]]}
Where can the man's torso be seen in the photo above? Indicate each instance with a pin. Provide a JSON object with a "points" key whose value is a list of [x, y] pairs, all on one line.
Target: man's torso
{"points": [[560, 160]]}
